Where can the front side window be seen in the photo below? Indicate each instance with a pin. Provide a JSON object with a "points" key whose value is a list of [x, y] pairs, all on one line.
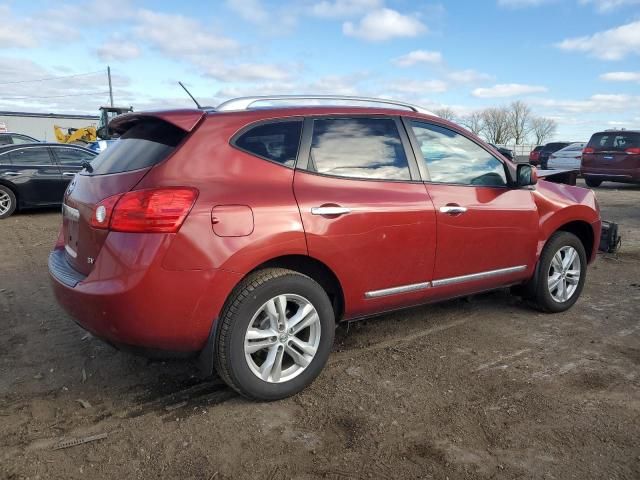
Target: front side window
{"points": [[5, 140], [72, 156], [453, 158], [277, 141], [31, 156], [19, 139], [367, 148]]}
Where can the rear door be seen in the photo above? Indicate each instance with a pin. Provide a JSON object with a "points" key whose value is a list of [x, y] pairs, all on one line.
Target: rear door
{"points": [[486, 231], [35, 175], [365, 211]]}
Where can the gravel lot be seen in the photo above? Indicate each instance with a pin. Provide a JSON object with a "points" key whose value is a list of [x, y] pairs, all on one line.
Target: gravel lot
{"points": [[477, 388]]}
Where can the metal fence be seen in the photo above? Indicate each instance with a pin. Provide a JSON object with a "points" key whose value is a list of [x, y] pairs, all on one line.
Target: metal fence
{"points": [[520, 152]]}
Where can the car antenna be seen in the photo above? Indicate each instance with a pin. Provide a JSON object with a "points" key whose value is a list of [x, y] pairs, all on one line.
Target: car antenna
{"points": [[189, 93]]}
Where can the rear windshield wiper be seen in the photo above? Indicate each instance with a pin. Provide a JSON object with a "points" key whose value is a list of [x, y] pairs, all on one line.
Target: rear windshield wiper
{"points": [[87, 166]]}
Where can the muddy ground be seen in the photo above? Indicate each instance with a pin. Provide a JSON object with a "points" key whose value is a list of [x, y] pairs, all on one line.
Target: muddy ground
{"points": [[481, 388]]}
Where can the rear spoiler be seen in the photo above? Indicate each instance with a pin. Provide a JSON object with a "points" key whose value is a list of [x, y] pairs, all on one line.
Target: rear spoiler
{"points": [[568, 177], [185, 119]]}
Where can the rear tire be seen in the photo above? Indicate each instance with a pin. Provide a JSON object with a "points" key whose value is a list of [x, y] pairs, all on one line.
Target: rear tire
{"points": [[592, 182], [8, 202], [561, 273], [275, 334]]}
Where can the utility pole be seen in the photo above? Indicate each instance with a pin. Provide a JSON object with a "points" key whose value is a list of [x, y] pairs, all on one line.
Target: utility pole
{"points": [[110, 88]]}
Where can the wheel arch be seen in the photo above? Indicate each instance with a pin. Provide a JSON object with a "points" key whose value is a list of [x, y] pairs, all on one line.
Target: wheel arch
{"points": [[11, 187], [583, 230]]}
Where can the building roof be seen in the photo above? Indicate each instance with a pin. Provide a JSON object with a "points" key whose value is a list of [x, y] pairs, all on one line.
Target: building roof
{"points": [[48, 115]]}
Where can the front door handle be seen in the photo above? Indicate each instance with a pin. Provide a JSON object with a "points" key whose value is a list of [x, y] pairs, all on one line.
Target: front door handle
{"points": [[453, 209], [12, 174], [330, 210], [68, 174]]}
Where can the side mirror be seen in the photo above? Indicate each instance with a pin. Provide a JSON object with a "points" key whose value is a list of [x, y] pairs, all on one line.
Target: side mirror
{"points": [[526, 175]]}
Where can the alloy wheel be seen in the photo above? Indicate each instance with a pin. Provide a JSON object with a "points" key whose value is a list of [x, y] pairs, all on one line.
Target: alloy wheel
{"points": [[282, 338], [564, 274], [5, 202]]}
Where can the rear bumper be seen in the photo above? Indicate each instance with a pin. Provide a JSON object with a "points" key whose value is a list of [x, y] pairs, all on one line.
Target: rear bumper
{"points": [[625, 176], [131, 301]]}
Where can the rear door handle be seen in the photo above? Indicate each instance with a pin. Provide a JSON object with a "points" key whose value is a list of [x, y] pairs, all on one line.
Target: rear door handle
{"points": [[68, 174], [330, 210], [453, 209], [12, 174]]}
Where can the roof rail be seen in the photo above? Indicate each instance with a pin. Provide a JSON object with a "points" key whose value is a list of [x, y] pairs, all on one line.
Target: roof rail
{"points": [[245, 103]]}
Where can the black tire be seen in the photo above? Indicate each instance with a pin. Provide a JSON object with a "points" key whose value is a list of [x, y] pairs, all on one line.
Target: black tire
{"points": [[243, 303], [541, 296], [4, 193], [592, 182]]}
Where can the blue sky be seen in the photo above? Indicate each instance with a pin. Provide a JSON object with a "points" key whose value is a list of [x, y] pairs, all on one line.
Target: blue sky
{"points": [[577, 61]]}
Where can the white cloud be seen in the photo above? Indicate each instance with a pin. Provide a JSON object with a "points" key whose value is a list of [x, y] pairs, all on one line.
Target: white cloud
{"points": [[468, 76], [418, 56], [621, 76], [605, 6], [118, 48], [384, 24], [246, 72], [250, 10], [344, 8], [13, 32], [613, 44], [179, 36], [522, 3], [507, 90], [421, 87], [598, 103]]}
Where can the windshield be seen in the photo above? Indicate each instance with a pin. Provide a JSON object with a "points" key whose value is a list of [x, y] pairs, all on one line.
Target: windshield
{"points": [[614, 141]]}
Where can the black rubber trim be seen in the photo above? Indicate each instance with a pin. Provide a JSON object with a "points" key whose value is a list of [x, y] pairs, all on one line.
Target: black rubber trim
{"points": [[62, 271]]}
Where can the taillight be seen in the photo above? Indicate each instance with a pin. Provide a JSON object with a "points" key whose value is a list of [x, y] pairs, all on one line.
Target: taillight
{"points": [[635, 150], [588, 150], [158, 210]]}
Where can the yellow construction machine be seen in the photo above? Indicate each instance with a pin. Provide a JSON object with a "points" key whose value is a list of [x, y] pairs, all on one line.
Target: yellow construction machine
{"points": [[91, 134]]}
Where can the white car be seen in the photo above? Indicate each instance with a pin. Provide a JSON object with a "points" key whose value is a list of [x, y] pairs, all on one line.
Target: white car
{"points": [[567, 158]]}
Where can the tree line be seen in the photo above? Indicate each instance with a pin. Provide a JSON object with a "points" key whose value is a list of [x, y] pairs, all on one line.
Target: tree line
{"points": [[501, 125]]}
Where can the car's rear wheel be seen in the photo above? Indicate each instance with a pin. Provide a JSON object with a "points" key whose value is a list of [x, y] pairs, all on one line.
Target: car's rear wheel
{"points": [[561, 273], [7, 202], [592, 182], [274, 335]]}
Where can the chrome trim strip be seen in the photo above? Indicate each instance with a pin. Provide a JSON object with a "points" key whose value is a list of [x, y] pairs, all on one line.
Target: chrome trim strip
{"points": [[478, 276], [70, 213], [396, 290], [71, 251]]}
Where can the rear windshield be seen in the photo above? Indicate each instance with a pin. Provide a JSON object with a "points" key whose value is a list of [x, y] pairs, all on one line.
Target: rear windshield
{"points": [[143, 145], [614, 141], [552, 147]]}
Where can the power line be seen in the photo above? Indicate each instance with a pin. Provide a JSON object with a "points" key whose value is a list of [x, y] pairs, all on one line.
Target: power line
{"points": [[52, 78], [55, 96]]}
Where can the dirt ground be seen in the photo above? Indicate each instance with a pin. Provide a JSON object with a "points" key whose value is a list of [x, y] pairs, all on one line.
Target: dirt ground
{"points": [[477, 388]]}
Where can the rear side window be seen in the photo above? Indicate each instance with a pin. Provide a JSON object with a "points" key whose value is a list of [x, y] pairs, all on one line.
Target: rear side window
{"points": [[5, 140], [73, 156], [277, 141], [367, 148], [553, 147], [614, 141], [145, 144], [33, 156]]}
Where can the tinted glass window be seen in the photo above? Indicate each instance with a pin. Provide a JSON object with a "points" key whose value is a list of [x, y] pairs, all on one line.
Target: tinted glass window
{"points": [[5, 158], [358, 147], [72, 156], [552, 147], [5, 140], [618, 141], [276, 141], [453, 158], [18, 139], [143, 145], [30, 156]]}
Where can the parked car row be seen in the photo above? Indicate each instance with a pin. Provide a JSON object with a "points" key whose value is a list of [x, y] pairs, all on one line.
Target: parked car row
{"points": [[610, 155], [37, 174]]}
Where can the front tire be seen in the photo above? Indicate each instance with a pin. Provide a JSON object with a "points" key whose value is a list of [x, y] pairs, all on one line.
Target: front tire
{"points": [[561, 274], [8, 202], [275, 334], [592, 182]]}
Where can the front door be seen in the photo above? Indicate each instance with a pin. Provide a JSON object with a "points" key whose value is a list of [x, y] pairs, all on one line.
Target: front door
{"points": [[37, 177], [487, 230], [365, 212]]}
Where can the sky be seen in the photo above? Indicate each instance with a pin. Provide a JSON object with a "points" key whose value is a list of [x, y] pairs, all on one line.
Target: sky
{"points": [[576, 61]]}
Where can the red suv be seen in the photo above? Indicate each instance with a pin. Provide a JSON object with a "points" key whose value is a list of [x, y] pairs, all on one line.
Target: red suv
{"points": [[244, 234], [612, 155]]}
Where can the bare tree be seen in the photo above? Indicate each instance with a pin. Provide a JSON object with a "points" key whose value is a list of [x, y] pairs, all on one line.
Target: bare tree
{"points": [[519, 121], [543, 129], [446, 113], [474, 122], [496, 125]]}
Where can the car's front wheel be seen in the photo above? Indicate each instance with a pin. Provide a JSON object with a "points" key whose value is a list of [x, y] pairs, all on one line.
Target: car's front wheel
{"points": [[275, 334], [7, 202], [561, 273]]}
